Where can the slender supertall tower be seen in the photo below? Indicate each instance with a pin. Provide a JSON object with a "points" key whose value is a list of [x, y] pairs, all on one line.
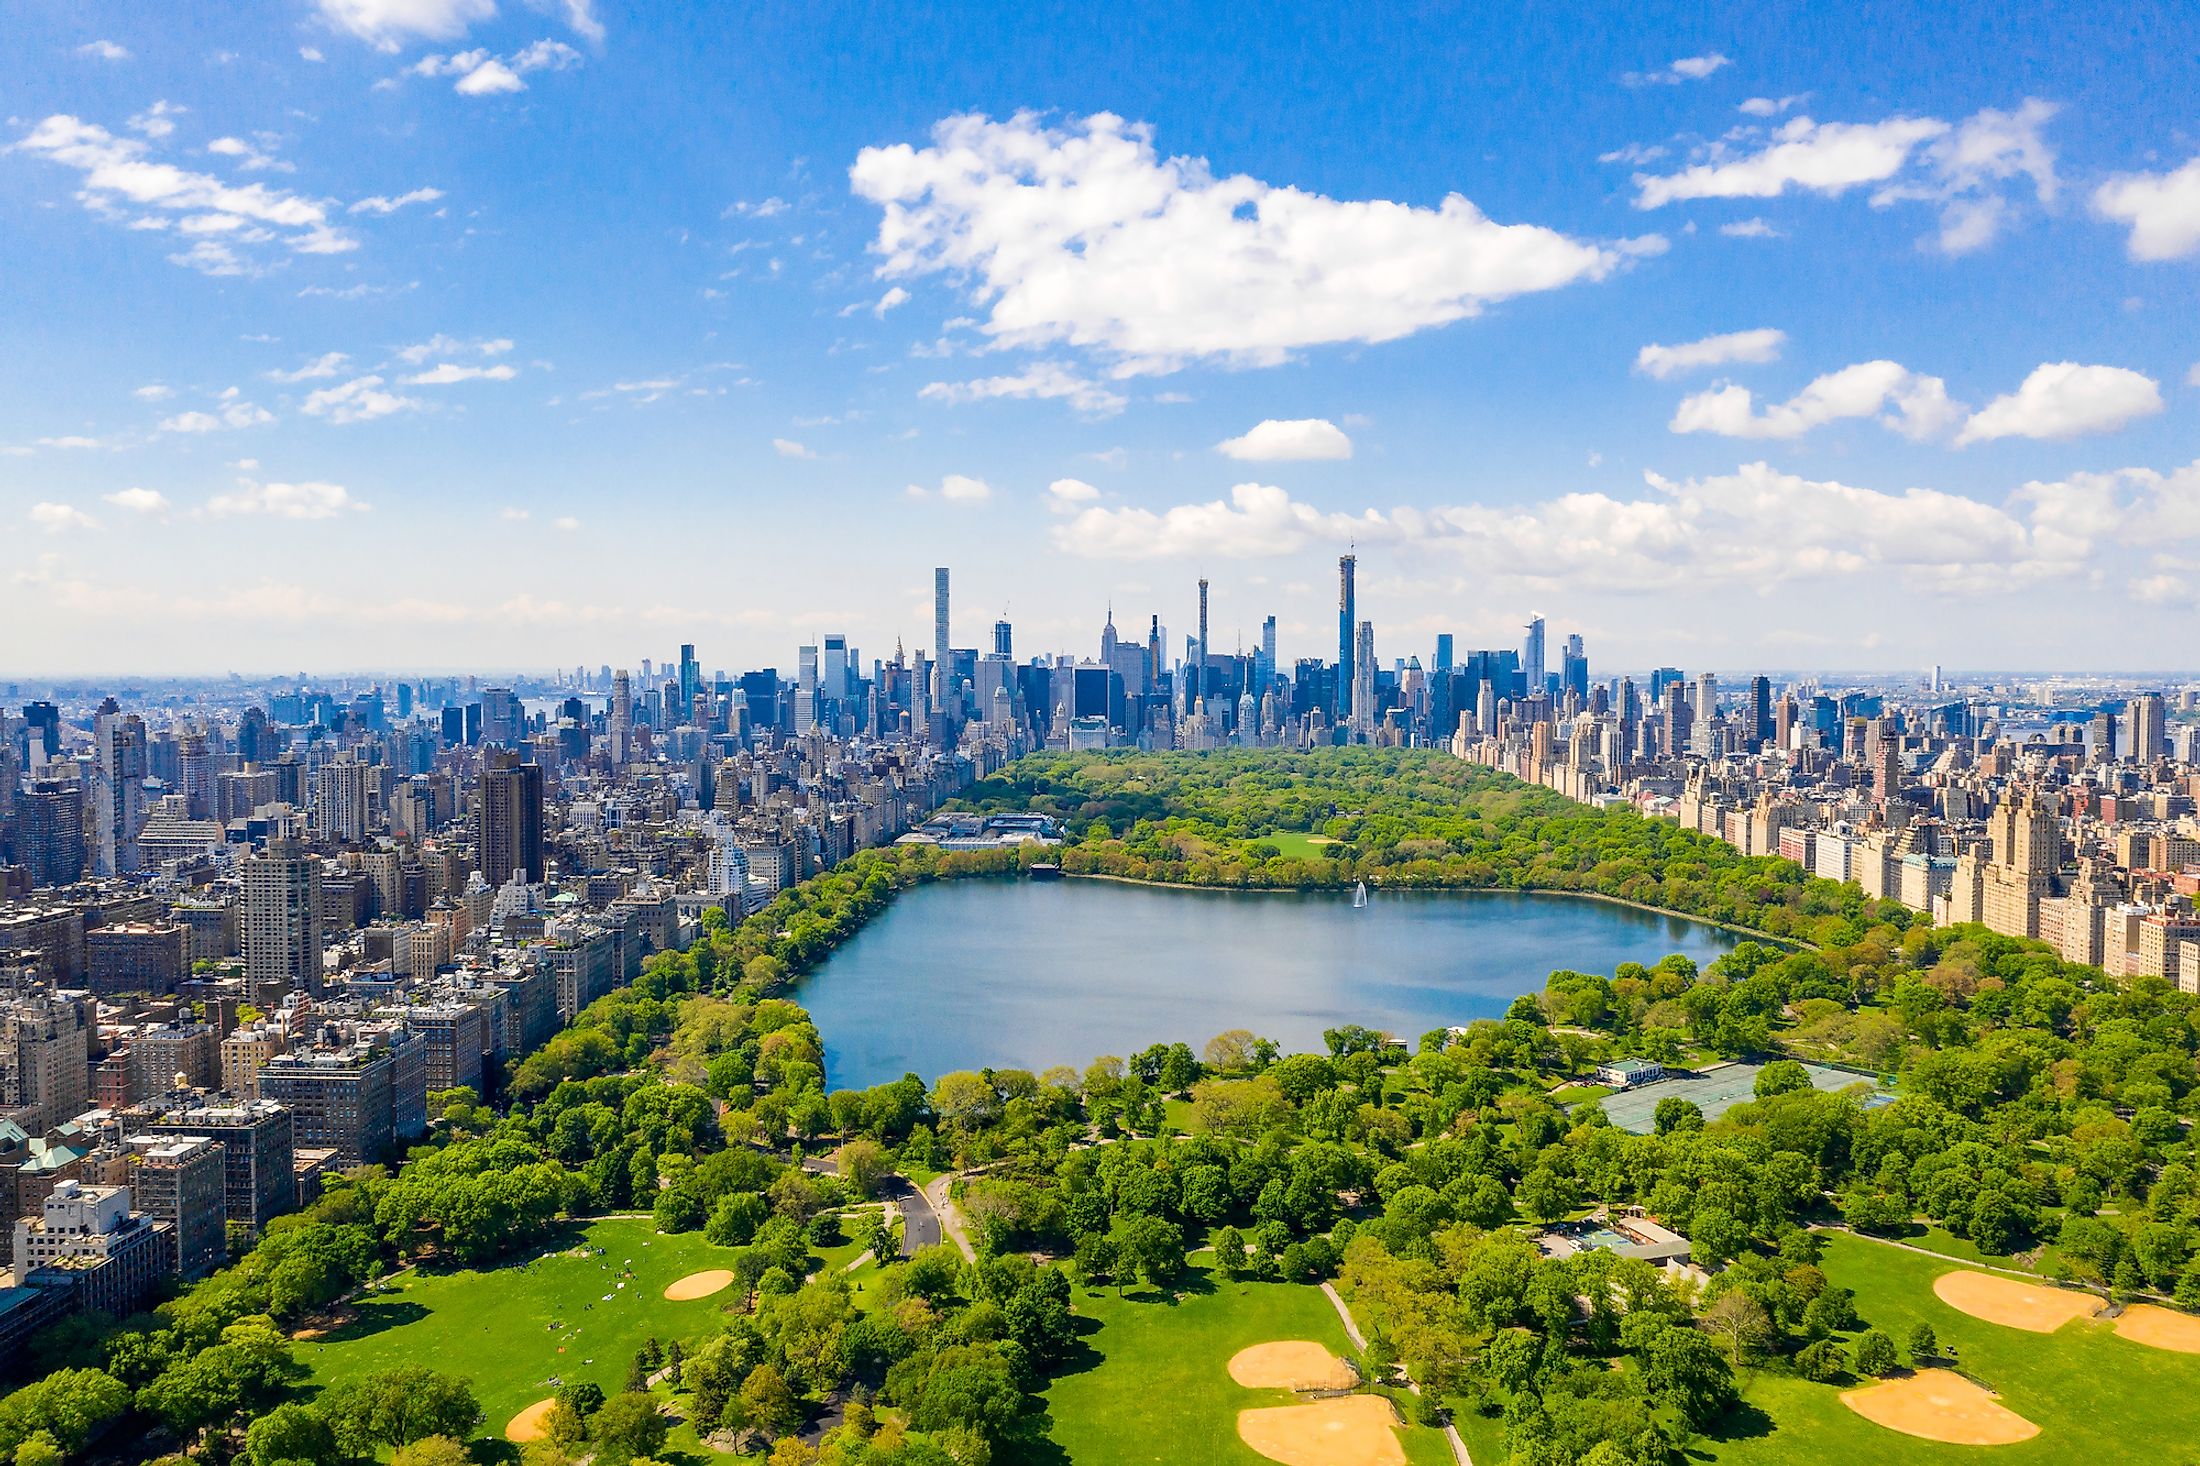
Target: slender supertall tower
{"points": [[942, 661], [1199, 661], [940, 656], [1345, 625]]}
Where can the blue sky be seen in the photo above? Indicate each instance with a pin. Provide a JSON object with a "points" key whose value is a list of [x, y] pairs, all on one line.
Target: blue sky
{"points": [[473, 333]]}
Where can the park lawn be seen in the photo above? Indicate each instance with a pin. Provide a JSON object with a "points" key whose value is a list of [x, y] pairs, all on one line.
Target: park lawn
{"points": [[1935, 1238], [2095, 1397], [492, 1327], [1299, 845], [1155, 1386]]}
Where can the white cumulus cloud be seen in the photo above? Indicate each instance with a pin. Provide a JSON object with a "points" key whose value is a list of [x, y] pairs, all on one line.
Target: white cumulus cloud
{"points": [[232, 413], [362, 399], [2063, 399], [1256, 521], [60, 518], [1760, 345], [311, 500], [1687, 68], [789, 448], [2161, 209], [444, 374], [1826, 157], [1914, 405], [955, 488], [103, 50], [1083, 235], [139, 501], [1288, 440], [1067, 495], [328, 364]]}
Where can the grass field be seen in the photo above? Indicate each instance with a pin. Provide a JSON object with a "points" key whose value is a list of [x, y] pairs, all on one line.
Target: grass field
{"points": [[2095, 1397], [494, 1327], [1155, 1385], [1298, 845]]}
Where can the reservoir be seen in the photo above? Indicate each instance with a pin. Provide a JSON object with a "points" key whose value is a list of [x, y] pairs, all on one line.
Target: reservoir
{"points": [[976, 974]]}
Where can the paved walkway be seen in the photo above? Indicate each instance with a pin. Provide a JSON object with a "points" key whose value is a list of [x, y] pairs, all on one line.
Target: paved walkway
{"points": [[1359, 1341], [950, 1217]]}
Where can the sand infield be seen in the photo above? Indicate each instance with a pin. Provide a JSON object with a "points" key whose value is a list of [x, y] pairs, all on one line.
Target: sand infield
{"points": [[1940, 1405], [2026, 1306], [1353, 1430], [1291, 1364], [527, 1425], [698, 1285], [2159, 1328]]}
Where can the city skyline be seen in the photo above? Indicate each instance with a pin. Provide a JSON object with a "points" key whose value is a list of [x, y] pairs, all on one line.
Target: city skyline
{"points": [[439, 335]]}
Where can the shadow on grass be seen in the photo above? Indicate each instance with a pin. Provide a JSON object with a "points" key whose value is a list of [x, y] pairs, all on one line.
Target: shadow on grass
{"points": [[1745, 1422], [371, 1317]]}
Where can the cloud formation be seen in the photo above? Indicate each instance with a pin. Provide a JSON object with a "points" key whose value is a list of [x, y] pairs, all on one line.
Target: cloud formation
{"points": [[2063, 399], [1914, 405], [482, 74], [1964, 168], [1083, 235], [1687, 68], [1256, 521], [386, 24], [1288, 441], [222, 222], [1042, 379], [60, 518], [1760, 345], [311, 500], [362, 399], [2161, 209], [384, 204], [955, 488]]}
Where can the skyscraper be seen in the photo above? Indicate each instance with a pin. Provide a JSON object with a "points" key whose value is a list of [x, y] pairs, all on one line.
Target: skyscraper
{"points": [[510, 815], [281, 919], [1265, 668], [1443, 651], [340, 801], [1760, 711], [1363, 678], [1347, 611], [2149, 727], [1199, 661], [942, 656], [1004, 637], [1532, 669], [691, 675], [1573, 674]]}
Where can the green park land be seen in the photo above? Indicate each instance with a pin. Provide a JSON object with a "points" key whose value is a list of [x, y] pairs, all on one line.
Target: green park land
{"points": [[1152, 1387]]}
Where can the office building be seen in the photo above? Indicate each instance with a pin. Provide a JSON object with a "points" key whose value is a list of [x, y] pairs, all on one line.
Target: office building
{"points": [[510, 812]]}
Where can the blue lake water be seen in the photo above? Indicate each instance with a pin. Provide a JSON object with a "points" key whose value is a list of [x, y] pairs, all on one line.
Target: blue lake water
{"points": [[1026, 974]]}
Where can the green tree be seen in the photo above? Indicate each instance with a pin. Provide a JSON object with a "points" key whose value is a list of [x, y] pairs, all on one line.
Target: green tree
{"points": [[1873, 1354], [1924, 1344], [288, 1433], [433, 1450], [628, 1425]]}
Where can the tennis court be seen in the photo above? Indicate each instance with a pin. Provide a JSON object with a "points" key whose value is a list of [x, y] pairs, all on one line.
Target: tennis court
{"points": [[1714, 1091]]}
